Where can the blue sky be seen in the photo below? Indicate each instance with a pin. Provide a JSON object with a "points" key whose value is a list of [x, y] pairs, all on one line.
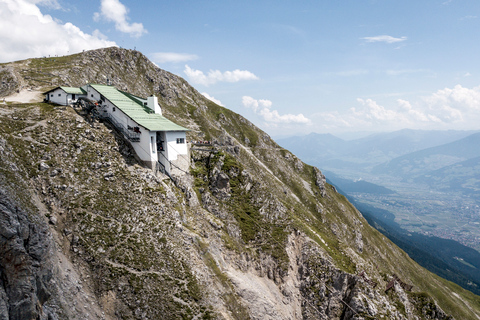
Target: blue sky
{"points": [[291, 67]]}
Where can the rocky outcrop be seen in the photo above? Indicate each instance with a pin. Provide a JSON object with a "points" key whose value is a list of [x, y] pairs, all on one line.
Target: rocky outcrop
{"points": [[11, 81], [25, 272], [320, 182]]}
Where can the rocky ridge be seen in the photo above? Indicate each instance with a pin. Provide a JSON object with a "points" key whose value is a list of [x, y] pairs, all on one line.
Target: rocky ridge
{"points": [[252, 232]]}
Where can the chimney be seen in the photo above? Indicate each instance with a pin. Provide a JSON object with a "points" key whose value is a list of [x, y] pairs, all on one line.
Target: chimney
{"points": [[152, 103]]}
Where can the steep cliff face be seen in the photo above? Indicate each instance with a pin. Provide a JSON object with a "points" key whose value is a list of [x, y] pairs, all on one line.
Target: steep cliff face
{"points": [[251, 233], [24, 277]]}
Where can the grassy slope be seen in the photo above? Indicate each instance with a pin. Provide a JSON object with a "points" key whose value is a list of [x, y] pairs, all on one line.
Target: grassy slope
{"points": [[387, 258]]}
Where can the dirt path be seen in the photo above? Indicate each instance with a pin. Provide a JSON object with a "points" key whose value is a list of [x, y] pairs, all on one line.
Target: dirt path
{"points": [[24, 96]]}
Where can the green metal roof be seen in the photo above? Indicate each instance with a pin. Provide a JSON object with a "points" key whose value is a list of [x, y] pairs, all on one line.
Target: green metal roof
{"points": [[69, 90], [72, 90], [134, 108]]}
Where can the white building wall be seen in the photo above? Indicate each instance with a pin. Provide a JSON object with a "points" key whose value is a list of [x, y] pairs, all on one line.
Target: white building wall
{"points": [[113, 111], [144, 148], [92, 94], [177, 152], [153, 146], [174, 148], [58, 96], [110, 108], [72, 98]]}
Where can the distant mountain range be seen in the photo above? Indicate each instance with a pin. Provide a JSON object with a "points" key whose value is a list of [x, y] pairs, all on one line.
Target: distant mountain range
{"points": [[434, 158], [462, 176], [426, 156]]}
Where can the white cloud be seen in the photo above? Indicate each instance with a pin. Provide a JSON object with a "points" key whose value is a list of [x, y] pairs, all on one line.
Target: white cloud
{"points": [[214, 76], [25, 33], [455, 105], [162, 57], [115, 11], [52, 4], [384, 38], [206, 95], [262, 108], [405, 107], [254, 104], [450, 108], [373, 111]]}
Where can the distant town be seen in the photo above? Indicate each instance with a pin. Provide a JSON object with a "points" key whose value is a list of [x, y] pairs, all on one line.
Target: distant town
{"points": [[448, 216]]}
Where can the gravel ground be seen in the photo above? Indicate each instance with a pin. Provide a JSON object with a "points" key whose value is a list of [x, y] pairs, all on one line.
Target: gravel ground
{"points": [[24, 96]]}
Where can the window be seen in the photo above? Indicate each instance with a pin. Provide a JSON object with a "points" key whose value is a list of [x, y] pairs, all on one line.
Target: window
{"points": [[180, 140], [51, 95], [59, 94], [153, 144], [113, 109], [91, 95]]}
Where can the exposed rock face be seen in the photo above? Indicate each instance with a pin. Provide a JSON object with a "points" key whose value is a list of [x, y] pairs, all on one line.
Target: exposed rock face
{"points": [[25, 276], [10, 81], [320, 182], [36, 281], [252, 233]]}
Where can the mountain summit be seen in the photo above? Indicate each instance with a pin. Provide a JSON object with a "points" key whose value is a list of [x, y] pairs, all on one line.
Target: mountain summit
{"points": [[251, 232]]}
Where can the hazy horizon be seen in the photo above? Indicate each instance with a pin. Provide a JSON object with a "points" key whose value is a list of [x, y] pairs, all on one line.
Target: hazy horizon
{"points": [[352, 135]]}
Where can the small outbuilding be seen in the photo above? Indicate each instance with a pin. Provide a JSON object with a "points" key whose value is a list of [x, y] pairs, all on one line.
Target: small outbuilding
{"points": [[64, 95]]}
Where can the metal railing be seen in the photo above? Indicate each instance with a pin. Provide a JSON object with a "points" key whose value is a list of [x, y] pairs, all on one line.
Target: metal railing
{"points": [[160, 167], [172, 165], [130, 134]]}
